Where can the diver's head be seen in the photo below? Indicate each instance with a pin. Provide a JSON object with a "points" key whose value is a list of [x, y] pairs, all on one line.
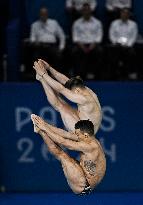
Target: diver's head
{"points": [[84, 127], [75, 82]]}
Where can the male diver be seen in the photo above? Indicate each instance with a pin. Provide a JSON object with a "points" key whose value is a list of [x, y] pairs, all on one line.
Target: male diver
{"points": [[57, 86], [83, 175]]}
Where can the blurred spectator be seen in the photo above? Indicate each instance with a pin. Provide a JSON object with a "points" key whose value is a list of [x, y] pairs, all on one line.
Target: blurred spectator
{"points": [[114, 7], [123, 31], [47, 39], [123, 35], [87, 35], [74, 7]]}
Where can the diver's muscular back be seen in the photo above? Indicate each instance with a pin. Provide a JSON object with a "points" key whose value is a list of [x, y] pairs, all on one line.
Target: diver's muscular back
{"points": [[91, 110], [94, 164]]}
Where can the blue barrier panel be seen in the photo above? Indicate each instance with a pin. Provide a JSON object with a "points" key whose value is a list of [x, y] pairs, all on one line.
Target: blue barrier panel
{"points": [[71, 199], [26, 165]]}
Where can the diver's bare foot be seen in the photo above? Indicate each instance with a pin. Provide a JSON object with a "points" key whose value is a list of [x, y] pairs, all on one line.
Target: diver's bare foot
{"points": [[40, 70], [36, 129], [39, 122], [44, 64]]}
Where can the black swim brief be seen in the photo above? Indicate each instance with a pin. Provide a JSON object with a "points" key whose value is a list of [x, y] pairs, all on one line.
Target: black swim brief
{"points": [[87, 190]]}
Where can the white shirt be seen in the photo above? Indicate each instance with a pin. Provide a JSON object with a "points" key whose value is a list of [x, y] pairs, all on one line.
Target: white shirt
{"points": [[87, 31], [79, 4], [47, 32], [111, 4], [124, 33]]}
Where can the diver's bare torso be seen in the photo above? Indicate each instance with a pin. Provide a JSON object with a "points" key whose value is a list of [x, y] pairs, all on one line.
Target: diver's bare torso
{"points": [[94, 164], [89, 171], [90, 110]]}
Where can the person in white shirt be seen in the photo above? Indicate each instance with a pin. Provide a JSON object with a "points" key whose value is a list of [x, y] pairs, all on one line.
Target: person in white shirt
{"points": [[123, 34], [74, 7], [113, 8], [123, 31], [87, 33], [43, 38]]}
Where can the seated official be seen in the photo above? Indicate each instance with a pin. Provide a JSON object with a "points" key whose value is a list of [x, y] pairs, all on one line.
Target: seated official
{"points": [[113, 8], [123, 34], [74, 7], [87, 34], [47, 39]]}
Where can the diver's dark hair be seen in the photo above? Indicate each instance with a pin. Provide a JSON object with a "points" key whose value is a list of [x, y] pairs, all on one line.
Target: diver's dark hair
{"points": [[85, 126], [74, 82]]}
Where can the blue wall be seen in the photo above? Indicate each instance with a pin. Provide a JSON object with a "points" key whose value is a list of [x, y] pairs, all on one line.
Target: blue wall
{"points": [[138, 12], [26, 165]]}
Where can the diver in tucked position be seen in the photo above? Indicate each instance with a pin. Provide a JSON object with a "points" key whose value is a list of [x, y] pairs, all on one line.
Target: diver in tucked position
{"points": [[74, 90], [83, 175]]}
